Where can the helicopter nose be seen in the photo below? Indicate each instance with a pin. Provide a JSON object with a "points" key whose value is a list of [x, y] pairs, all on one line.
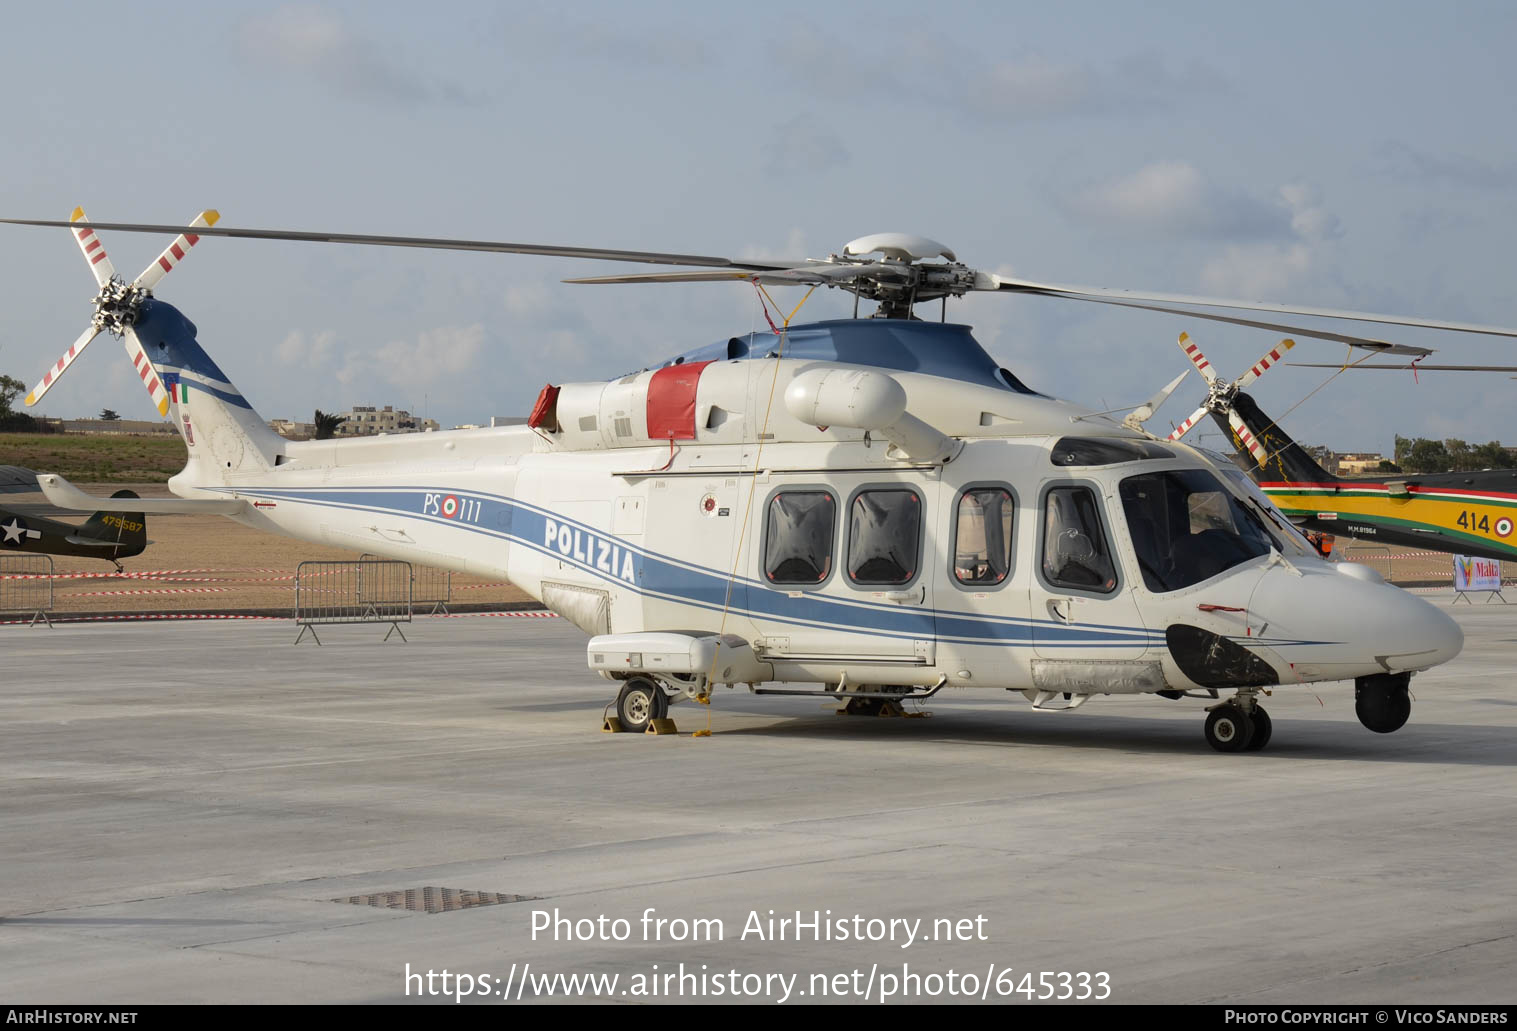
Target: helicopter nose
{"points": [[1372, 626], [1404, 632], [1420, 635]]}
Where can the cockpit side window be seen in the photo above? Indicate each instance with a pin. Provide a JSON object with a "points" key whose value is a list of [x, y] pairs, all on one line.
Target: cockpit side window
{"points": [[798, 538], [1186, 527], [1076, 553], [982, 536], [884, 536]]}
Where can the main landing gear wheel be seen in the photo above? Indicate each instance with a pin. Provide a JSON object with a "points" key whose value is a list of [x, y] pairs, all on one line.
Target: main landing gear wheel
{"points": [[1263, 728], [863, 707], [640, 702], [1228, 728], [1382, 703]]}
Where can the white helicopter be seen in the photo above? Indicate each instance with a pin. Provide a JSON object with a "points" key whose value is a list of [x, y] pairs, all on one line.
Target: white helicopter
{"points": [[868, 510]]}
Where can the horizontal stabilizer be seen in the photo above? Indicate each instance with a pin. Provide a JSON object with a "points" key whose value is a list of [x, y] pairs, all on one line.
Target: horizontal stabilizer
{"points": [[65, 495], [93, 542]]}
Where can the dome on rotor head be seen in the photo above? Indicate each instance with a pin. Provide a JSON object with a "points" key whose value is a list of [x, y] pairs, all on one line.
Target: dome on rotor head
{"points": [[904, 246]]}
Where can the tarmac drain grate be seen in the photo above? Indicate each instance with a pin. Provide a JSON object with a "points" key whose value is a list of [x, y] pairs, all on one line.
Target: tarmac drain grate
{"points": [[433, 900]]}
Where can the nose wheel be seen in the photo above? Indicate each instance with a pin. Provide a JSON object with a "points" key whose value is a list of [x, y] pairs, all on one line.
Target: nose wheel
{"points": [[1382, 702], [640, 702], [1231, 727]]}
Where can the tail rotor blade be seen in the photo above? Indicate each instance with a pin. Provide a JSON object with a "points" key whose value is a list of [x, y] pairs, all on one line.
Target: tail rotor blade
{"points": [[145, 371], [1263, 364], [1245, 437], [175, 252], [94, 251], [1197, 358], [1184, 427], [51, 376]]}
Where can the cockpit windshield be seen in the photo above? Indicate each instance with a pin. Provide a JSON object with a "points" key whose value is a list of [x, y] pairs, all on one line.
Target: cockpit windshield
{"points": [[1187, 527], [1280, 527]]}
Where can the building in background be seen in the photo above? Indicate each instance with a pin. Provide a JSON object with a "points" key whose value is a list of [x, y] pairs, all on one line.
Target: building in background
{"points": [[1357, 463], [293, 430], [368, 420]]}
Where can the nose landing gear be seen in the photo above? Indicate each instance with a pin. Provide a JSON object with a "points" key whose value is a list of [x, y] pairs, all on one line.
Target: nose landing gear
{"points": [[640, 702], [1239, 724], [1381, 702]]}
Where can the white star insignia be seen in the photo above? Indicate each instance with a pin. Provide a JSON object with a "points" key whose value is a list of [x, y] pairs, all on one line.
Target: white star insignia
{"points": [[14, 531]]}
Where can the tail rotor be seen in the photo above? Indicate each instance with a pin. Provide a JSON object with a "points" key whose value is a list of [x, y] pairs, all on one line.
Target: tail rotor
{"points": [[1220, 394], [119, 303]]}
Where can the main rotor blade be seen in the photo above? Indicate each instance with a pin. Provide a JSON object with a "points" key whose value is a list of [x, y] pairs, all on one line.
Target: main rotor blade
{"points": [[815, 274], [693, 276], [94, 252], [438, 243], [174, 253], [51, 376], [1145, 411], [1408, 367], [1130, 297], [1369, 344]]}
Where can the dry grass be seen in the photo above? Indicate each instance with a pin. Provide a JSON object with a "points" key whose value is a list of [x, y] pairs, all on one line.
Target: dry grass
{"points": [[96, 458]]}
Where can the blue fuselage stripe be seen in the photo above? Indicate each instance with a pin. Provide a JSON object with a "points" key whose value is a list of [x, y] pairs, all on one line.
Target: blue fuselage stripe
{"points": [[607, 558]]}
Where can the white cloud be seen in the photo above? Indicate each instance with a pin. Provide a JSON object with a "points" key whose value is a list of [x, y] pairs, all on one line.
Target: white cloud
{"points": [[1309, 220], [1257, 270], [1175, 198], [1407, 164], [307, 349], [1034, 85], [941, 73], [446, 351], [316, 42], [1262, 269]]}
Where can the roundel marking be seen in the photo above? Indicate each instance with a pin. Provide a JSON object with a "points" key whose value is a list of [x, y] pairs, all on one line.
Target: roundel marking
{"points": [[449, 507], [1503, 527]]}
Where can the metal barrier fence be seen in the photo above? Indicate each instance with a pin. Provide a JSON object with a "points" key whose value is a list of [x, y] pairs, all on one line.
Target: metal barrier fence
{"points": [[1377, 556], [430, 586], [26, 586], [367, 591]]}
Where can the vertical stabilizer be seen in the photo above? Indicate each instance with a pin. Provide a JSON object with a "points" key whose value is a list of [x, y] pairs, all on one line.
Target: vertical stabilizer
{"points": [[1285, 461], [126, 530], [226, 439]]}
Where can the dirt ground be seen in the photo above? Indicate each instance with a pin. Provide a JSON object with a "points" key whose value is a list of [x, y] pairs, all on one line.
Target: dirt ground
{"points": [[210, 563]]}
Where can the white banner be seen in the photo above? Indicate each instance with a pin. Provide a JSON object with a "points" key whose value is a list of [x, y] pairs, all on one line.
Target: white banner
{"points": [[1477, 574]]}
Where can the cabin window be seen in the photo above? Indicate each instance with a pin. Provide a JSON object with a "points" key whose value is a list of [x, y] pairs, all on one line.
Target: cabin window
{"points": [[1185, 528], [798, 540], [884, 536], [1104, 451], [1076, 553], [982, 536]]}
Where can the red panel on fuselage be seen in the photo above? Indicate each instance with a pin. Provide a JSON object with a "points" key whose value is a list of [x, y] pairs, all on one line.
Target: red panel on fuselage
{"points": [[671, 401]]}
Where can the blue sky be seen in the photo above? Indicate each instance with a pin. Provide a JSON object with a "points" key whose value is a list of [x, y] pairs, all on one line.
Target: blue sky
{"points": [[1340, 154]]}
